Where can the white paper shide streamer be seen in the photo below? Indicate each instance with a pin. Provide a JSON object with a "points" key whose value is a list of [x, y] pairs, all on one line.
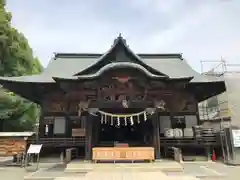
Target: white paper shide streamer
{"points": [[116, 119]]}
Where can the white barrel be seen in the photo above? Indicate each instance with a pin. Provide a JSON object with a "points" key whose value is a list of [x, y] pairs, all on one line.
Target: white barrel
{"points": [[168, 133], [188, 132], [177, 133]]}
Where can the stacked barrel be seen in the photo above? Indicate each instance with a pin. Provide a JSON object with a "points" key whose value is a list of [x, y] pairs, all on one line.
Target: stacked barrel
{"points": [[196, 131]]}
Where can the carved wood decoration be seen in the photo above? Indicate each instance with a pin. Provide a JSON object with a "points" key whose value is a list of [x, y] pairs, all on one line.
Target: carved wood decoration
{"points": [[55, 106], [181, 102], [117, 91], [54, 96], [73, 107], [120, 85], [48, 120]]}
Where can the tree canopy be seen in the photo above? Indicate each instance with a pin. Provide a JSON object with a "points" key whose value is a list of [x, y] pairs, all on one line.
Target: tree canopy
{"points": [[16, 59]]}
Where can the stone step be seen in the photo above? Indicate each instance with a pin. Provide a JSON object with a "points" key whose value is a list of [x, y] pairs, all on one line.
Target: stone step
{"points": [[161, 166], [127, 176]]}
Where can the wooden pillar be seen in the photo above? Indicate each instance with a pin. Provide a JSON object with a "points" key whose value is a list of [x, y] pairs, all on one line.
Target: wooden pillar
{"points": [[88, 144], [156, 138], [41, 128], [86, 137], [68, 126], [51, 129], [154, 134], [95, 130], [68, 121], [90, 137]]}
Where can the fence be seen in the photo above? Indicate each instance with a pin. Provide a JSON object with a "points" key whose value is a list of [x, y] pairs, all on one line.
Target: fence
{"points": [[78, 141]]}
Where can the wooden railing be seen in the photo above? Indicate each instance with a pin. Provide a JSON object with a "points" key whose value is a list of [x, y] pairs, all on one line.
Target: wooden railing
{"points": [[203, 141], [169, 142], [123, 154], [61, 141]]}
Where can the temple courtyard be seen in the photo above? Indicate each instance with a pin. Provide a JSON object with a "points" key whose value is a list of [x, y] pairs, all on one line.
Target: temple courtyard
{"points": [[122, 171]]}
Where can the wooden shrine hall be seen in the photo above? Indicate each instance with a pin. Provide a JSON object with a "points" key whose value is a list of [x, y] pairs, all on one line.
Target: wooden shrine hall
{"points": [[116, 105]]}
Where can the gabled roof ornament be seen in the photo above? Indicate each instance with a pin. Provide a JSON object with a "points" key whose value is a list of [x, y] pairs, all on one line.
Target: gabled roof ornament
{"points": [[118, 39]]}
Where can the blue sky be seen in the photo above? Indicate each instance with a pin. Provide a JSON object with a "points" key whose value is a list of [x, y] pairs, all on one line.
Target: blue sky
{"points": [[200, 29]]}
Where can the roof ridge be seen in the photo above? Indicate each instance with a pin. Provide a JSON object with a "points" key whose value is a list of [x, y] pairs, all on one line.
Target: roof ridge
{"points": [[96, 55]]}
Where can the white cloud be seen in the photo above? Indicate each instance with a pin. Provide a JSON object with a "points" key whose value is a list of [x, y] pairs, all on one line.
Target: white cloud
{"points": [[199, 29]]}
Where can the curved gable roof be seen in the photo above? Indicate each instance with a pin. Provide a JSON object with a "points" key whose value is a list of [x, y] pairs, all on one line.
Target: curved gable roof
{"points": [[68, 65], [119, 45]]}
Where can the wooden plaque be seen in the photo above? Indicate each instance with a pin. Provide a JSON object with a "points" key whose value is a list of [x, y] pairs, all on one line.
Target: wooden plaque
{"points": [[78, 132]]}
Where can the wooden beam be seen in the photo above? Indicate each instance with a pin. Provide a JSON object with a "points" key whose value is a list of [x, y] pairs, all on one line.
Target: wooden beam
{"points": [[117, 104]]}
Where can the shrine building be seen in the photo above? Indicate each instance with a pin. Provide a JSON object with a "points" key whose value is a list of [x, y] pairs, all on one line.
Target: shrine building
{"points": [[117, 99]]}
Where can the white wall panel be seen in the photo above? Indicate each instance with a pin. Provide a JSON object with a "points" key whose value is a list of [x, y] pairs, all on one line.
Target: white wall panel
{"points": [[59, 125]]}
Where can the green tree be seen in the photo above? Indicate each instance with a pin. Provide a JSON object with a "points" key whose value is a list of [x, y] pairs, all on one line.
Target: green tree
{"points": [[16, 59]]}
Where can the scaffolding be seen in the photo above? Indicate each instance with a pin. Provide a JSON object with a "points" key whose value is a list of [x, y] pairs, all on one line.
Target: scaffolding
{"points": [[223, 105], [227, 104], [219, 67]]}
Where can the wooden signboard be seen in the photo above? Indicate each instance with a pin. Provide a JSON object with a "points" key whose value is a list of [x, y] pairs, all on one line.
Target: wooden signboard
{"points": [[11, 147], [78, 132]]}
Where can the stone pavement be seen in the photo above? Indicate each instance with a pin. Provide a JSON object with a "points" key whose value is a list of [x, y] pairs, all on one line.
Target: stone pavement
{"points": [[127, 176], [126, 171], [12, 173], [172, 170], [5, 159], [78, 166]]}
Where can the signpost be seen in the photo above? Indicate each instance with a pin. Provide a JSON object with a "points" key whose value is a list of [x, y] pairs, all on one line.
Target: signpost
{"points": [[33, 151], [236, 137]]}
